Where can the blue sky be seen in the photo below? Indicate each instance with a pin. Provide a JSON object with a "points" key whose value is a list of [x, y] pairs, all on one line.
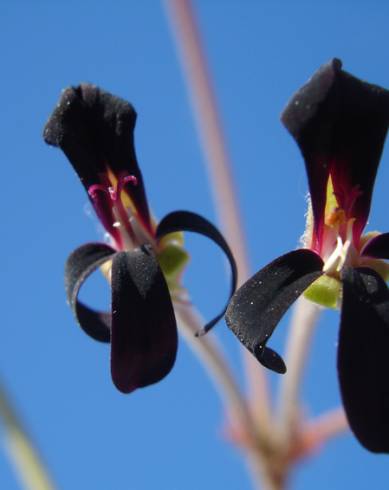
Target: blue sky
{"points": [[169, 435]]}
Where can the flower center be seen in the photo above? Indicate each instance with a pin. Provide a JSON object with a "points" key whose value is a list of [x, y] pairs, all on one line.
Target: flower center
{"points": [[118, 211], [340, 245]]}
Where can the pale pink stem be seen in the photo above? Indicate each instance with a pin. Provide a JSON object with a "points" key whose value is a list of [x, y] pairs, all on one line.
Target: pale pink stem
{"points": [[305, 315], [318, 431], [188, 41], [212, 357]]}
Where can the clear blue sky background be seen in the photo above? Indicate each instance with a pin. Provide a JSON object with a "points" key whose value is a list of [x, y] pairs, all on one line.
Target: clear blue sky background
{"points": [[169, 435]]}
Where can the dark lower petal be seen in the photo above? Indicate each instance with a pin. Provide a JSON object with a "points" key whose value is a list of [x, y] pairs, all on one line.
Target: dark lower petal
{"points": [[187, 221], [340, 124], [258, 306], [80, 264], [144, 333], [377, 247], [363, 357], [95, 131]]}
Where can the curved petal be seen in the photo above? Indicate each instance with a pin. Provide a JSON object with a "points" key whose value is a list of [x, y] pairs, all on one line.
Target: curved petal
{"points": [[95, 131], [363, 357], [144, 332], [258, 306], [79, 265], [340, 124], [188, 221], [377, 247]]}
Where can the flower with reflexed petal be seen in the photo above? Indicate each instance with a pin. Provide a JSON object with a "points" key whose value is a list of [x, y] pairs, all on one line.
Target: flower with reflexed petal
{"points": [[143, 261], [339, 123]]}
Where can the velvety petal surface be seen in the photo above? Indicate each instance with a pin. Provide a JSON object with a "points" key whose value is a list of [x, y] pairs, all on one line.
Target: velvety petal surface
{"points": [[144, 333], [378, 247], [79, 265], [258, 306], [363, 357], [188, 221], [95, 130], [340, 124]]}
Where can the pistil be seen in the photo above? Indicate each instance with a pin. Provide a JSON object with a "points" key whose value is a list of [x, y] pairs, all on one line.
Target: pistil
{"points": [[343, 253]]}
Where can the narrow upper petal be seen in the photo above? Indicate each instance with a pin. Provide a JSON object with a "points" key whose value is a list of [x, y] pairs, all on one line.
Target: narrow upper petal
{"points": [[80, 264], [340, 125], [363, 360], [95, 131], [188, 221], [258, 306], [144, 333], [377, 247]]}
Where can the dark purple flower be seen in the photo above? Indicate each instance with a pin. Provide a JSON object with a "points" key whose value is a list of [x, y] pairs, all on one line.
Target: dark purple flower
{"points": [[340, 124], [143, 261]]}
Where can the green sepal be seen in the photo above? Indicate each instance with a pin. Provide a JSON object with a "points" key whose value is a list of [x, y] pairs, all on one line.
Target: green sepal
{"points": [[172, 258], [177, 237], [325, 291]]}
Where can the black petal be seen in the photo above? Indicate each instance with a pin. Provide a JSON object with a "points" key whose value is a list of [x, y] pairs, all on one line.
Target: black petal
{"points": [[144, 332], [377, 247], [187, 221], [258, 306], [363, 357], [80, 264], [95, 130], [340, 124]]}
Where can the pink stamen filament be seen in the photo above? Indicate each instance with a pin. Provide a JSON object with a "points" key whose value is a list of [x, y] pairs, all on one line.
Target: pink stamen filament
{"points": [[123, 181], [114, 194], [93, 189], [124, 218]]}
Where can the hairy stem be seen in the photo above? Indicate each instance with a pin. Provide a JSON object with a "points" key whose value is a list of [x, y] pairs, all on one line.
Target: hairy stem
{"points": [[24, 456]]}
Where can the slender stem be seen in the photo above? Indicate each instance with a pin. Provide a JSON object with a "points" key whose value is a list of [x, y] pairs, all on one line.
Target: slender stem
{"points": [[304, 318], [188, 40], [209, 126], [319, 430], [24, 456], [208, 350], [262, 479]]}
